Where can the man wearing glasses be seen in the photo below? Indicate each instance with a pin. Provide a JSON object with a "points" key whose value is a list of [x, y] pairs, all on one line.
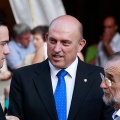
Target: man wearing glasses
{"points": [[111, 84]]}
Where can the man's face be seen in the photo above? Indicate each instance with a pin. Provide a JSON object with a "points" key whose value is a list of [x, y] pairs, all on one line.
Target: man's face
{"points": [[112, 93], [63, 44], [25, 40], [4, 38], [38, 41], [110, 26]]}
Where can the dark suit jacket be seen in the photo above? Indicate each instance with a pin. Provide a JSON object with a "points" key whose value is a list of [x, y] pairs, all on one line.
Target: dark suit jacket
{"points": [[31, 94], [2, 115]]}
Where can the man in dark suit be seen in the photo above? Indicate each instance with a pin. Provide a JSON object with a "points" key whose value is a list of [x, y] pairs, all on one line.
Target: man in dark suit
{"points": [[33, 88], [4, 50]]}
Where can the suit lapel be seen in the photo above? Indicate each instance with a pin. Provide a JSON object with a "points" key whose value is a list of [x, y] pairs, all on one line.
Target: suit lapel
{"points": [[82, 86], [44, 87]]}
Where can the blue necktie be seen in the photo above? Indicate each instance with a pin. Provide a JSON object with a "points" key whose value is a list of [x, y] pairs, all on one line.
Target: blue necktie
{"points": [[60, 95]]}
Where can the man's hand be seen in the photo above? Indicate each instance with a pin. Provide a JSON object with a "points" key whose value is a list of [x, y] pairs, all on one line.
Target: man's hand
{"points": [[107, 37], [12, 118]]}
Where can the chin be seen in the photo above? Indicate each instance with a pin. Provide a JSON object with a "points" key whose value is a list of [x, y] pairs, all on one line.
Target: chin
{"points": [[25, 46], [1, 66], [58, 65], [108, 100]]}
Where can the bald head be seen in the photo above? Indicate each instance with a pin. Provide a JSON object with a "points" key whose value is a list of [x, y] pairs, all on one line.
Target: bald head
{"points": [[69, 23]]}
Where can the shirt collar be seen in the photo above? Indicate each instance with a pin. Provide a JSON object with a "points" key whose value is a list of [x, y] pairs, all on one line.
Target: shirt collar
{"points": [[71, 69], [116, 113], [116, 38]]}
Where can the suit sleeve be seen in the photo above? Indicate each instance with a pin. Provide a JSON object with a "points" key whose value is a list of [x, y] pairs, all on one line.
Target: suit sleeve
{"points": [[16, 97]]}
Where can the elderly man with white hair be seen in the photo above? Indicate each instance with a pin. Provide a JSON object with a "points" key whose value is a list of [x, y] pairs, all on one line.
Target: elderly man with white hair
{"points": [[111, 84]]}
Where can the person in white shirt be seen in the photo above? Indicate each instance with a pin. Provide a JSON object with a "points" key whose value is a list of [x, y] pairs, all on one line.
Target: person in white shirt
{"points": [[111, 84], [110, 42]]}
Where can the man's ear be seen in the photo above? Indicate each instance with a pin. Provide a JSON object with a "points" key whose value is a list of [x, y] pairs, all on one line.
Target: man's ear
{"points": [[46, 36], [82, 43]]}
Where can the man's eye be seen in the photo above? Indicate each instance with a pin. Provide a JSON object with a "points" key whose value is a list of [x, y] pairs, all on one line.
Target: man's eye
{"points": [[110, 79], [66, 43], [52, 41], [2, 44]]}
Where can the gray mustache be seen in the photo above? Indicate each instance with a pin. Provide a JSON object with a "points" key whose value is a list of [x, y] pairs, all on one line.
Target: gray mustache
{"points": [[105, 91]]}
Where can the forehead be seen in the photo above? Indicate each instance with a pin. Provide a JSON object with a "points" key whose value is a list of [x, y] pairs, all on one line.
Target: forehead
{"points": [[64, 30], [113, 67], [62, 26], [37, 35], [4, 33], [3, 29], [109, 21], [26, 35]]}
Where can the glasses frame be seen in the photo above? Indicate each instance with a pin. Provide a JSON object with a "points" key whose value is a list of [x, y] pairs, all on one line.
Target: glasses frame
{"points": [[108, 81]]}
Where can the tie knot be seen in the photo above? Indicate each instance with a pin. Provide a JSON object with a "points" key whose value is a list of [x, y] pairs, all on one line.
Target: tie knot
{"points": [[62, 73]]}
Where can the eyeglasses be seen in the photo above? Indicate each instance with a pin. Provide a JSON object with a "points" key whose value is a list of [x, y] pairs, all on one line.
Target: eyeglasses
{"points": [[108, 81]]}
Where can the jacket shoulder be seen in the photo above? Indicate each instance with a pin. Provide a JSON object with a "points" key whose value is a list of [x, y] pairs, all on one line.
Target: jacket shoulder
{"points": [[33, 67], [89, 68]]}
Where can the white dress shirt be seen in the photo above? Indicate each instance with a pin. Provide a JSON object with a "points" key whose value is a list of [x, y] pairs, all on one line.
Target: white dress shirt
{"points": [[69, 79], [102, 57], [116, 113]]}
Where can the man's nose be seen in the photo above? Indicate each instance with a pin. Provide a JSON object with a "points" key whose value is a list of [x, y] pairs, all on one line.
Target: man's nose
{"points": [[103, 84], [57, 47], [6, 49]]}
